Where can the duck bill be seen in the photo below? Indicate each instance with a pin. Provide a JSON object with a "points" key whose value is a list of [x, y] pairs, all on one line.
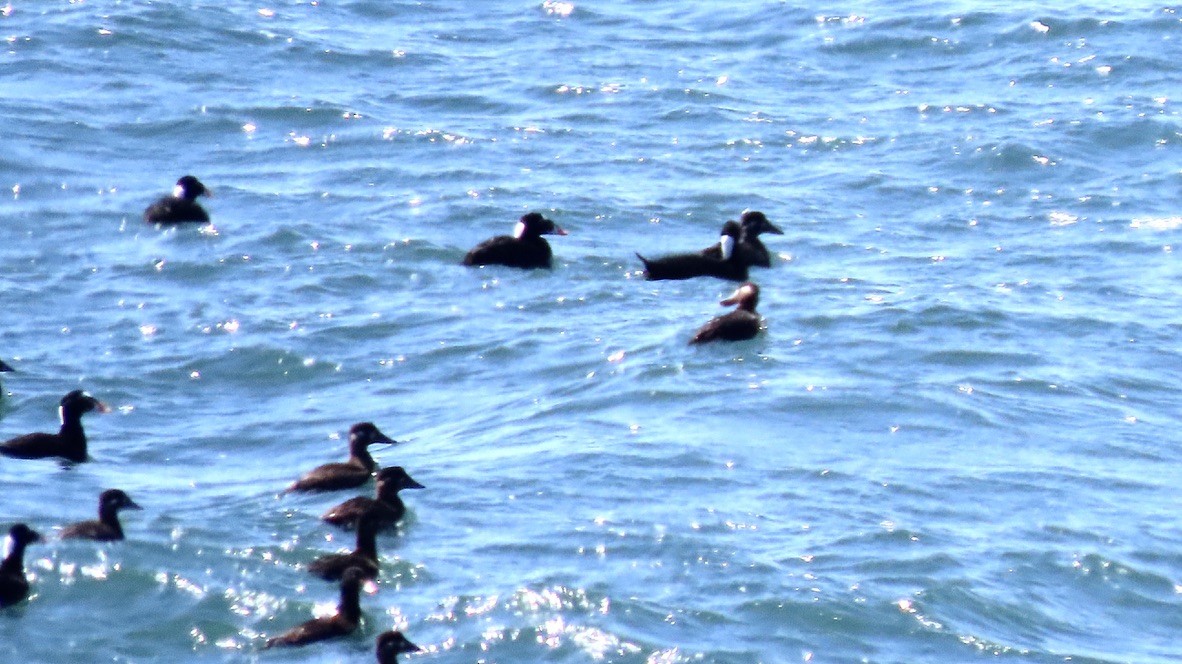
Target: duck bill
{"points": [[5, 367], [411, 484], [772, 228], [132, 505], [558, 230], [734, 297], [101, 407]]}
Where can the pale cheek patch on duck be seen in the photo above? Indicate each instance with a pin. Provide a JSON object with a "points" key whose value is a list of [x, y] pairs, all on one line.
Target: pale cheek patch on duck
{"points": [[519, 230], [726, 244]]}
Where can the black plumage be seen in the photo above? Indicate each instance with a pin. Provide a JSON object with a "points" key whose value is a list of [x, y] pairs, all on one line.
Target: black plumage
{"points": [[68, 443], [14, 585], [750, 250], [526, 248], [688, 266], [181, 206]]}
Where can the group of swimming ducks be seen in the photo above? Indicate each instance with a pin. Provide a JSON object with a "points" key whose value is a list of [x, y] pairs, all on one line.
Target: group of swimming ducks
{"points": [[737, 250], [366, 515]]}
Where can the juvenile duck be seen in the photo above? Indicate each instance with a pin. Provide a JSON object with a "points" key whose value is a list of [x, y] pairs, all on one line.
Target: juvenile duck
{"points": [[391, 644], [68, 443], [107, 527], [14, 587], [181, 206], [750, 249], [364, 557], [388, 508], [741, 323], [687, 266], [342, 623], [526, 248], [352, 473]]}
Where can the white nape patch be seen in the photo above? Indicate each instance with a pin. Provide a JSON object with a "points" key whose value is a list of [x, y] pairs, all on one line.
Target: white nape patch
{"points": [[519, 230], [727, 244], [178, 192], [8, 545], [61, 414]]}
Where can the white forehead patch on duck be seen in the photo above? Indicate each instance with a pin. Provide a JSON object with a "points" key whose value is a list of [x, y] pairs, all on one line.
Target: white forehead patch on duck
{"points": [[519, 230], [726, 243]]}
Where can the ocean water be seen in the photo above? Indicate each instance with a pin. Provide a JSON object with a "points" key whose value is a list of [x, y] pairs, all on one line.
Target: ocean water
{"points": [[957, 440]]}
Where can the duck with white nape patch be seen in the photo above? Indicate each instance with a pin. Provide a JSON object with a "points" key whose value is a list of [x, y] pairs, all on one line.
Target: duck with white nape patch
{"points": [[107, 527], [526, 248], [688, 266], [181, 206], [354, 471], [68, 443], [14, 585], [750, 250], [738, 325]]}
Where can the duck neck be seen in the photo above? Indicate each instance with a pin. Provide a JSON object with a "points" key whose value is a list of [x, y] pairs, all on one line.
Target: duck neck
{"points": [[109, 517], [359, 455], [15, 561], [367, 538], [350, 606]]}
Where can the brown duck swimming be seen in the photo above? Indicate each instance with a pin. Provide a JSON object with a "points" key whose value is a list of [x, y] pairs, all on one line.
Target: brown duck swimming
{"points": [[351, 473], [343, 623], [107, 527], [387, 506], [741, 323]]}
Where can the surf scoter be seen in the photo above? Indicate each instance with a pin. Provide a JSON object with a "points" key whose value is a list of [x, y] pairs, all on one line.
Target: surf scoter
{"points": [[742, 323], [364, 557], [181, 206], [352, 473], [68, 443], [749, 249], [342, 623], [14, 586], [391, 644], [388, 508], [526, 248], [107, 527], [687, 266]]}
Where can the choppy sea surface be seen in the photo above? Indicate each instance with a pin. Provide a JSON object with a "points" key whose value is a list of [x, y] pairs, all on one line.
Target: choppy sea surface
{"points": [[957, 440]]}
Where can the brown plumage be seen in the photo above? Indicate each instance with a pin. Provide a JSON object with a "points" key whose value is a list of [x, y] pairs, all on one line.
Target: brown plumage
{"points": [[342, 623], [388, 508], [364, 557], [391, 644], [351, 473], [737, 325], [107, 528]]}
